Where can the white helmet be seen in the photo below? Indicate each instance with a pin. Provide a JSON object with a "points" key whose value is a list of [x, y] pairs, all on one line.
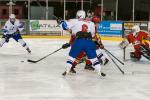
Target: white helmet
{"points": [[81, 14], [136, 28], [12, 16]]}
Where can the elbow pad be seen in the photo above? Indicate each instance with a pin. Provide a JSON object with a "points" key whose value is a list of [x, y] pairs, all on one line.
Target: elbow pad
{"points": [[4, 30], [64, 25]]}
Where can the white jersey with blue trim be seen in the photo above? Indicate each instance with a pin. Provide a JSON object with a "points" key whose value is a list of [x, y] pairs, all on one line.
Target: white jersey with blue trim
{"points": [[76, 25], [10, 28]]}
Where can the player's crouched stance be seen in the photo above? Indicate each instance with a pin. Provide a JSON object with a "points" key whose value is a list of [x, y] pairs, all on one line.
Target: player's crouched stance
{"points": [[84, 31], [137, 38], [12, 29]]}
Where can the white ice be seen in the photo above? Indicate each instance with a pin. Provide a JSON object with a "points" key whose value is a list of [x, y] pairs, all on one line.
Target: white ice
{"points": [[43, 81]]}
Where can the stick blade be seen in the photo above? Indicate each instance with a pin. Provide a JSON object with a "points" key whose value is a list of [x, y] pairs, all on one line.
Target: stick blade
{"points": [[32, 61], [123, 72], [64, 73]]}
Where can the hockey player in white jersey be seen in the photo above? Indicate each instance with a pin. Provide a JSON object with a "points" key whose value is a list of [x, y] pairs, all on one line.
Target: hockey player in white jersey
{"points": [[84, 30], [12, 29]]}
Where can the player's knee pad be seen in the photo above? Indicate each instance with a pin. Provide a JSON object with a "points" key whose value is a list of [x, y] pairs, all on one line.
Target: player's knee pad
{"points": [[134, 56], [70, 60], [100, 56], [95, 62]]}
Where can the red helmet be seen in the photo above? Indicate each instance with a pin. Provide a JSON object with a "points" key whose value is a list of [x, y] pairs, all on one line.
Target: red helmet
{"points": [[95, 19]]}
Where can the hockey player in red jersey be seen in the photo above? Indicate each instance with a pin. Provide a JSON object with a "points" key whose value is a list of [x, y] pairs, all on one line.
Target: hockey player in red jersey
{"points": [[137, 38], [82, 56]]}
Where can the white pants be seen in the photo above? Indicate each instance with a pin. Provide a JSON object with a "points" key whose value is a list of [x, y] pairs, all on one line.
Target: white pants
{"points": [[94, 61]]}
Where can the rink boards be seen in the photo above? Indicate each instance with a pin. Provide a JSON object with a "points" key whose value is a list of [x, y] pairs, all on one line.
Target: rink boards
{"points": [[67, 37]]}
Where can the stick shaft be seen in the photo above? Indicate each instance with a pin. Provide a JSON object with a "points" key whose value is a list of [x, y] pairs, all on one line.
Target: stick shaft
{"points": [[43, 57], [114, 56], [116, 64]]}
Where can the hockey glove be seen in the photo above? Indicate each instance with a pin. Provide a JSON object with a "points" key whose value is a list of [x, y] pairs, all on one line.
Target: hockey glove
{"points": [[99, 45], [17, 32], [59, 20], [7, 36], [124, 44], [96, 42], [65, 46]]}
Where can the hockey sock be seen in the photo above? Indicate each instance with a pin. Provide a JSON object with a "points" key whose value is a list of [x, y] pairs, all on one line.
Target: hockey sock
{"points": [[22, 42], [2, 42], [70, 61], [96, 65]]}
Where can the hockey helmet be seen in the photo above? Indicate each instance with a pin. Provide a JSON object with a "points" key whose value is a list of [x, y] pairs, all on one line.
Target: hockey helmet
{"points": [[81, 14], [95, 19], [12, 18], [136, 28], [89, 14]]}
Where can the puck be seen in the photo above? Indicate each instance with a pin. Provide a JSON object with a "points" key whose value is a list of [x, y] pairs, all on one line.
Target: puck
{"points": [[22, 61]]}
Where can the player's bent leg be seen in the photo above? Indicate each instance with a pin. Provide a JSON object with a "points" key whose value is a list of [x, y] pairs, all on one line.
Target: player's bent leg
{"points": [[69, 64], [18, 38], [70, 61], [91, 54], [3, 40], [102, 57], [74, 52], [23, 43], [77, 60]]}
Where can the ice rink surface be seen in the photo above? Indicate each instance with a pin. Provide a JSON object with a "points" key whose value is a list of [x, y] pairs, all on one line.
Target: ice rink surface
{"points": [[43, 80]]}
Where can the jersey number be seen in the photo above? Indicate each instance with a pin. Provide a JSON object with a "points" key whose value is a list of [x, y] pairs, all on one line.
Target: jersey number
{"points": [[84, 28]]}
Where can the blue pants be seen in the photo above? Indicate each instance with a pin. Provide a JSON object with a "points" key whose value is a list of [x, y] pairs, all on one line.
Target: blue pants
{"points": [[15, 36], [88, 46]]}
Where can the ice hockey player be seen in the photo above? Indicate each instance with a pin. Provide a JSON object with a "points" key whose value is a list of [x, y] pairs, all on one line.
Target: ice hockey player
{"points": [[84, 31], [12, 29], [137, 38], [82, 56], [102, 56]]}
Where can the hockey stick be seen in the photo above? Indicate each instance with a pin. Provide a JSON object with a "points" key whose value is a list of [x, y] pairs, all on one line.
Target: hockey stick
{"points": [[113, 56], [35, 61], [143, 53], [116, 64], [58, 20]]}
